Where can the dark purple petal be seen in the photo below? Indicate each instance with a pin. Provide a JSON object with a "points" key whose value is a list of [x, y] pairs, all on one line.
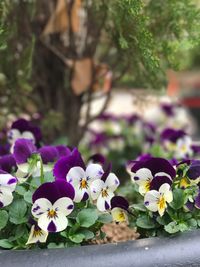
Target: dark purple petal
{"points": [[23, 149], [106, 173], [23, 125], [64, 164], [196, 149], [48, 154], [158, 181], [4, 149], [98, 158], [197, 201], [119, 202], [8, 163], [52, 227], [53, 191], [194, 170], [168, 109], [85, 196], [189, 205], [107, 206], [155, 165], [1, 204], [63, 150], [144, 157], [172, 134]]}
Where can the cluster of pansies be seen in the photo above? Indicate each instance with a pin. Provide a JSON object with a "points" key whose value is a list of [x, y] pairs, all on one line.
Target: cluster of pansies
{"points": [[170, 195], [49, 197]]}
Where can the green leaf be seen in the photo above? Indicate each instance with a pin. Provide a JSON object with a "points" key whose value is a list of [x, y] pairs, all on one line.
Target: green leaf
{"points": [[105, 218], [28, 197], [145, 222], [20, 190], [54, 245], [87, 234], [172, 228], [139, 207], [17, 211], [5, 243], [77, 238], [178, 199], [3, 219], [183, 227], [192, 224], [87, 217]]}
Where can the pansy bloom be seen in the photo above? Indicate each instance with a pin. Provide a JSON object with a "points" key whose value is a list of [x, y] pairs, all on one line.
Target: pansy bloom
{"points": [[152, 173], [119, 209], [73, 170], [37, 235], [24, 129], [7, 186], [8, 163], [52, 202], [102, 190], [157, 200], [24, 149]]}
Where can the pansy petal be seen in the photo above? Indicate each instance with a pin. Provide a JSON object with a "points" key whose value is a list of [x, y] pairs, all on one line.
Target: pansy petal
{"points": [[94, 171], [165, 189], [112, 182], [103, 203], [28, 135], [158, 181], [6, 197], [23, 149], [95, 188], [53, 225], [143, 174], [37, 235], [40, 206], [7, 180], [151, 200], [75, 175], [119, 215], [13, 135], [64, 205]]}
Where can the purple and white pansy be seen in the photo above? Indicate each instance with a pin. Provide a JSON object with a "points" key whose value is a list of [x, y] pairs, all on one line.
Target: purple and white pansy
{"points": [[7, 186], [22, 128], [150, 174], [73, 170], [37, 235], [119, 209], [52, 202], [102, 190], [156, 201]]}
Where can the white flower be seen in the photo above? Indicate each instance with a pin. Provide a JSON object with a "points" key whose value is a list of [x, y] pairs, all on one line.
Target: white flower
{"points": [[52, 217], [119, 215], [103, 191], [7, 186], [81, 180], [157, 200], [183, 147], [37, 235]]}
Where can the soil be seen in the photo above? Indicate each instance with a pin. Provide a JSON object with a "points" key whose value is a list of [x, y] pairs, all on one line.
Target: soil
{"points": [[117, 233]]}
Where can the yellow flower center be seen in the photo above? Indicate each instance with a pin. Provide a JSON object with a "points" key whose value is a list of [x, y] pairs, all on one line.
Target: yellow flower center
{"points": [[37, 232], [184, 183], [104, 192], [184, 148], [52, 214], [161, 203], [83, 184], [147, 185]]}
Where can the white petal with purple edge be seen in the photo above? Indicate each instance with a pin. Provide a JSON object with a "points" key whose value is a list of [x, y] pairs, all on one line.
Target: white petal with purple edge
{"points": [[93, 171], [79, 193], [112, 182], [7, 180], [163, 174], [143, 174], [95, 188], [53, 225], [64, 205], [75, 174], [166, 191], [151, 200], [41, 206], [13, 135], [103, 203], [6, 197]]}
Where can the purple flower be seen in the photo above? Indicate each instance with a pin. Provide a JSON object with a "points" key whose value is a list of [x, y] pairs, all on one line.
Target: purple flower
{"points": [[49, 154], [4, 149], [168, 109], [23, 150], [62, 150], [7, 186], [152, 173], [172, 135], [52, 202], [24, 129], [8, 163], [119, 208], [73, 169]]}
